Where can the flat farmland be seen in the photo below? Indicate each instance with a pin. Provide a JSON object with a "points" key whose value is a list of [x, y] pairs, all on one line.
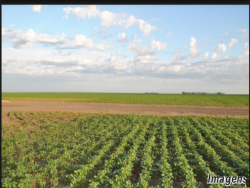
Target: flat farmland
{"points": [[107, 140], [158, 99], [73, 149]]}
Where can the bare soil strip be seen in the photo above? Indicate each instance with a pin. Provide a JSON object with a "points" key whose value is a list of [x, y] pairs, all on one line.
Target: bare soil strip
{"points": [[122, 109]]}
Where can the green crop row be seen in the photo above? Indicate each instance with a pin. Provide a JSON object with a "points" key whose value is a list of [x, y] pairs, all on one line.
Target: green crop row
{"points": [[167, 99], [115, 150]]}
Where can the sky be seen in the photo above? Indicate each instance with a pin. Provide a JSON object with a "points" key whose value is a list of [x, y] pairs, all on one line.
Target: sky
{"points": [[125, 48]]}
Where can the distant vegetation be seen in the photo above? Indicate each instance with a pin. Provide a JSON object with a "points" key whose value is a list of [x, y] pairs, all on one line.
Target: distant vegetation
{"points": [[204, 93], [167, 99]]}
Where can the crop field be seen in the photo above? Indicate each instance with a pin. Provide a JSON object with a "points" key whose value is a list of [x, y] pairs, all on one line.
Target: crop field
{"points": [[70, 149], [167, 99]]}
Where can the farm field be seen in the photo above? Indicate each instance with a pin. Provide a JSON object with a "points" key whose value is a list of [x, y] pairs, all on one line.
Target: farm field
{"points": [[71, 149], [164, 99]]}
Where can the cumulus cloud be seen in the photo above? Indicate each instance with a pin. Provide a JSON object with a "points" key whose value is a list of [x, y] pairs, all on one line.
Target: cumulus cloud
{"points": [[241, 60], [246, 47], [193, 51], [9, 33], [178, 57], [95, 64], [27, 39], [81, 41], [36, 8], [222, 47], [145, 27], [244, 33], [168, 35], [159, 46], [206, 55], [134, 40], [89, 11], [82, 12], [109, 18], [131, 20], [57, 52], [142, 54], [215, 56], [232, 41], [122, 38]]}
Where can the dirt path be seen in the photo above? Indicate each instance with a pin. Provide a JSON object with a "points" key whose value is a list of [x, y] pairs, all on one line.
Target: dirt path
{"points": [[8, 106]]}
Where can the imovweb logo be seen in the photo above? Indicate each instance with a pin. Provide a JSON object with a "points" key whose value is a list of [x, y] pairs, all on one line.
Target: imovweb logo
{"points": [[226, 180]]}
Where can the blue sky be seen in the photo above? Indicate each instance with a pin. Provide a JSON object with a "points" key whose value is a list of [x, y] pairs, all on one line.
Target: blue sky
{"points": [[125, 48]]}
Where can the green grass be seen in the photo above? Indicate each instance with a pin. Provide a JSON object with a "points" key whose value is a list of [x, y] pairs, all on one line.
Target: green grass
{"points": [[167, 99], [120, 150]]}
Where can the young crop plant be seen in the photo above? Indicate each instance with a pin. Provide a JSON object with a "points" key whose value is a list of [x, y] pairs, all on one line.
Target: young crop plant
{"points": [[122, 150], [183, 168], [164, 166]]}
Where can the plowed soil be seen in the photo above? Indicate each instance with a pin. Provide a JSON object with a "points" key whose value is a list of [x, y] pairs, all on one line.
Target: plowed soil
{"points": [[8, 106]]}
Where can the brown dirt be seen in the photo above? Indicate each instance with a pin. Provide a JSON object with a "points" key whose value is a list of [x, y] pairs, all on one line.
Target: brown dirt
{"points": [[122, 109]]}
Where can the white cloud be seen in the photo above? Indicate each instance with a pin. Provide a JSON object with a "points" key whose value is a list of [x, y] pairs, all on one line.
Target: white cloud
{"points": [[131, 20], [242, 61], [222, 47], [134, 40], [28, 37], [215, 56], [12, 25], [9, 33], [168, 35], [25, 40], [142, 54], [225, 34], [244, 33], [103, 67], [145, 27], [206, 55], [60, 41], [122, 37], [36, 8], [81, 41], [46, 38], [156, 44], [89, 11], [56, 52], [145, 58], [107, 18], [232, 42], [96, 28], [177, 55], [193, 51], [82, 12], [246, 47]]}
